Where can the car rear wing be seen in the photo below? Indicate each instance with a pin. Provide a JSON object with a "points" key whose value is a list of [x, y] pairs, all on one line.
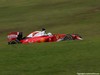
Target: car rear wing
{"points": [[14, 36]]}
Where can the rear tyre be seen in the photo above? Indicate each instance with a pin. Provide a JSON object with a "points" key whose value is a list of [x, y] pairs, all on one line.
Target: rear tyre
{"points": [[13, 42]]}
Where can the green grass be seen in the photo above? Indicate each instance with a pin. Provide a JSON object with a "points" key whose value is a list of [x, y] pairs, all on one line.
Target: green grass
{"points": [[57, 16], [63, 58]]}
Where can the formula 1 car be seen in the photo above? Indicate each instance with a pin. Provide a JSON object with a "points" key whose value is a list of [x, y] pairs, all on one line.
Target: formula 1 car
{"points": [[17, 37]]}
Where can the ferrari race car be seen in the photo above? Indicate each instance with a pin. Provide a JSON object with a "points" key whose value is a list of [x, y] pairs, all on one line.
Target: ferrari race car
{"points": [[17, 37]]}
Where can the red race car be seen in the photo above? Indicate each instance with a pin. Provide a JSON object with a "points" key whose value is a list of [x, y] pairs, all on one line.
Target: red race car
{"points": [[17, 37]]}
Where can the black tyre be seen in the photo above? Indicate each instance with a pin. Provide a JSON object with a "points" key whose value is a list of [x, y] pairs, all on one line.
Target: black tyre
{"points": [[14, 42], [68, 37]]}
